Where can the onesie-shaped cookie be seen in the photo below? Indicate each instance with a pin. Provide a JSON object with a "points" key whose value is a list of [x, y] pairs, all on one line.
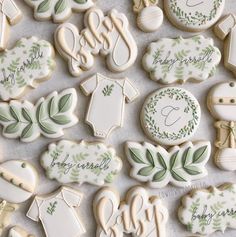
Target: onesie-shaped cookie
{"points": [[222, 105], [106, 109]]}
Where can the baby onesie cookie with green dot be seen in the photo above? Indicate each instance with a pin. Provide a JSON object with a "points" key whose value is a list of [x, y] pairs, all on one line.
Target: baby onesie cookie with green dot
{"points": [[178, 60], [157, 166], [48, 117], [194, 15], [29, 63], [17, 231], [170, 116], [207, 211], [70, 162], [58, 10]]}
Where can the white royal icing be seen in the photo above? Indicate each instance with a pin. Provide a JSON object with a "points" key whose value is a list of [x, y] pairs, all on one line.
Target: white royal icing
{"points": [[70, 162], [29, 63], [208, 211], [17, 231], [157, 166], [108, 35], [108, 96], [170, 116], [178, 60], [194, 15], [139, 214]]}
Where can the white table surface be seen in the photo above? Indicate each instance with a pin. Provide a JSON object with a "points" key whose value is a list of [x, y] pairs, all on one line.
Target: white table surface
{"points": [[61, 79]]}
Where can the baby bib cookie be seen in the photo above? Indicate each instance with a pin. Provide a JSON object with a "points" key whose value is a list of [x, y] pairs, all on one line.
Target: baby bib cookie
{"points": [[139, 215], [157, 166], [29, 63], [170, 116], [17, 231], [84, 162], [106, 35], [57, 213], [58, 10], [48, 117], [208, 211], [194, 15], [226, 30], [150, 16], [108, 96], [178, 60], [10, 14]]}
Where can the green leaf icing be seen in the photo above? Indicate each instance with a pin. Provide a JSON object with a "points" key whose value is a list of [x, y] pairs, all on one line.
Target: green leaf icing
{"points": [[28, 121], [177, 166], [83, 162]]}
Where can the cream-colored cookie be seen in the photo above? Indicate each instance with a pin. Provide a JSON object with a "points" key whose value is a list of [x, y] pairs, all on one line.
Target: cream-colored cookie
{"points": [[17, 231]]}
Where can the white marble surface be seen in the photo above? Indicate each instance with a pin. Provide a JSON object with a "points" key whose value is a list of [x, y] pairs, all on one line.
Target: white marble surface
{"points": [[13, 149]]}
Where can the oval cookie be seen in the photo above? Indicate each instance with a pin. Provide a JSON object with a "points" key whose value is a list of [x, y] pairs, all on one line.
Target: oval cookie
{"points": [[170, 116]]}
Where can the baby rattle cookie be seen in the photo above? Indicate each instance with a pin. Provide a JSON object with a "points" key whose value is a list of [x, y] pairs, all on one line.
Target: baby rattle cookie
{"points": [[139, 215], [18, 181], [108, 96], [226, 30], [194, 15], [106, 35], [49, 116], [208, 211], [221, 102], [58, 10], [170, 116], [57, 213], [178, 60], [17, 231], [84, 162], [10, 14], [157, 166], [29, 63], [150, 16]]}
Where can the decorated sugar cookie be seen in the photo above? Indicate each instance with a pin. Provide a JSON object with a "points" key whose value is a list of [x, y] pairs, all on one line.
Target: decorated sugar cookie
{"points": [[194, 15], [58, 10], [178, 60], [57, 212], [49, 116], [150, 16], [18, 180], [106, 35], [139, 215], [108, 96], [70, 162], [29, 63], [170, 116], [17, 231], [222, 105], [179, 165], [208, 211], [10, 14], [226, 30]]}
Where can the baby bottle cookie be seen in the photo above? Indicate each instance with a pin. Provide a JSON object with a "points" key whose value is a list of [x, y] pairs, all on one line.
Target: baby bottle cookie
{"points": [[139, 215], [194, 15], [221, 103], [150, 16]]}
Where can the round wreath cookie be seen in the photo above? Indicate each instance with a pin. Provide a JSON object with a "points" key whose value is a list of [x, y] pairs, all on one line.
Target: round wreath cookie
{"points": [[170, 116], [194, 15]]}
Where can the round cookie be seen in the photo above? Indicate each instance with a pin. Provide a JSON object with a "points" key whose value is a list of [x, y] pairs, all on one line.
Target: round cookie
{"points": [[170, 116], [194, 15]]}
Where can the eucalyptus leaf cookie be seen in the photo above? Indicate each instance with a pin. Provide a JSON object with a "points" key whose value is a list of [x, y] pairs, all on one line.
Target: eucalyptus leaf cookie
{"points": [[139, 214], [178, 60], [58, 10], [170, 116], [207, 211], [180, 165], [48, 117], [84, 162], [26, 65], [194, 15], [17, 231]]}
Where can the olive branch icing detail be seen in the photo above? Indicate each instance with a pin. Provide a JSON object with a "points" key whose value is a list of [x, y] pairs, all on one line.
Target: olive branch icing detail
{"points": [[158, 167], [48, 117]]}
